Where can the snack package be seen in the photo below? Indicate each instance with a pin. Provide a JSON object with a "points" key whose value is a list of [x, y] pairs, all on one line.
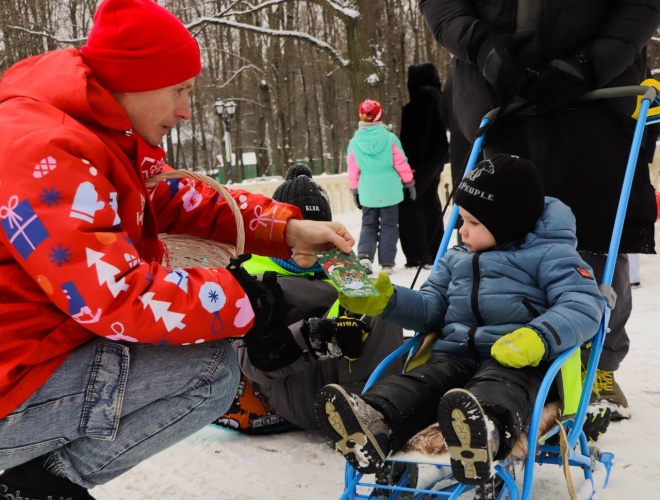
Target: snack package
{"points": [[345, 270]]}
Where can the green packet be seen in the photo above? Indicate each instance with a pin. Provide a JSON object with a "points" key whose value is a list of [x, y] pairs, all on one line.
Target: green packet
{"points": [[345, 271]]}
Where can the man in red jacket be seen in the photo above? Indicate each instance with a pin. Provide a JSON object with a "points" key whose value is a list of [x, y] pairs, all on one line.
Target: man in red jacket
{"points": [[107, 356]]}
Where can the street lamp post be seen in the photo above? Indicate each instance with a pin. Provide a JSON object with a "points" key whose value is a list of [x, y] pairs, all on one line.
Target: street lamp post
{"points": [[226, 111]]}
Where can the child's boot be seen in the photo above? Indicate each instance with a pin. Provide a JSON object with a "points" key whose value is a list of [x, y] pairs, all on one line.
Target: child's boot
{"points": [[367, 264], [471, 437], [356, 430]]}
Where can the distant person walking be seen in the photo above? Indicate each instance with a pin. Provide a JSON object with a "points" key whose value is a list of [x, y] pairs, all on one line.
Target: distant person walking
{"points": [[378, 173], [424, 139]]}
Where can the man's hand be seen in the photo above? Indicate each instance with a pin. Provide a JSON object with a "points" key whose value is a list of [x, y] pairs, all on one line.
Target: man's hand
{"points": [[520, 348], [307, 236], [494, 58], [563, 82], [371, 306]]}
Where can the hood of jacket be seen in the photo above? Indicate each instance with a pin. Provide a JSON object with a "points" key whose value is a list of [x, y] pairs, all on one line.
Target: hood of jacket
{"points": [[557, 223], [421, 76], [372, 140], [61, 78]]}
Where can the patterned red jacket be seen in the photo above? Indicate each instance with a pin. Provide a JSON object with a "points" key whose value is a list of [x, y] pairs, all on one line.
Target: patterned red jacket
{"points": [[79, 251]]}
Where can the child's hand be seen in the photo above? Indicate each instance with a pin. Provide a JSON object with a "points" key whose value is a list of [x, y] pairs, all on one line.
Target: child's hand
{"points": [[334, 337], [371, 306], [520, 348]]}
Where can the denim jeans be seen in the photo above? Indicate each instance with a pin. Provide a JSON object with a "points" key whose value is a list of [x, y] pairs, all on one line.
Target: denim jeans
{"points": [[380, 228], [110, 406]]}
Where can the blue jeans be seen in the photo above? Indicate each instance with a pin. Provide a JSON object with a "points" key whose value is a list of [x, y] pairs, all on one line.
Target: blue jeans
{"points": [[110, 406], [380, 228]]}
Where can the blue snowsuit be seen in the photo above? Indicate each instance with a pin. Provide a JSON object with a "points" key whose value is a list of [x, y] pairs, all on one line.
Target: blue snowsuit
{"points": [[539, 282]]}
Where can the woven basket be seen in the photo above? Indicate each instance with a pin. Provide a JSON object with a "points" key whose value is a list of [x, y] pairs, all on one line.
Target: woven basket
{"points": [[185, 251]]}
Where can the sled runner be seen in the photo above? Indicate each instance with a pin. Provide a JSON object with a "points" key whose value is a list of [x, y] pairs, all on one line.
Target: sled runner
{"points": [[564, 444]]}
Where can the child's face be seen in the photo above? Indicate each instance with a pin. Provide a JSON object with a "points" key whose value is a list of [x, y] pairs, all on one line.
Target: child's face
{"points": [[475, 235]]}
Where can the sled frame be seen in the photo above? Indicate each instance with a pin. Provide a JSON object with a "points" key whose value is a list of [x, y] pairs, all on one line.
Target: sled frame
{"points": [[579, 452]]}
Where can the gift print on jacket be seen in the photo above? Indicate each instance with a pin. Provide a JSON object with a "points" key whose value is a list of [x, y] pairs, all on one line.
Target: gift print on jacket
{"points": [[22, 226]]}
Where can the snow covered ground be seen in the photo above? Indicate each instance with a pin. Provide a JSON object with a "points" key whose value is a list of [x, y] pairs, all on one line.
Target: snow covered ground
{"points": [[217, 464]]}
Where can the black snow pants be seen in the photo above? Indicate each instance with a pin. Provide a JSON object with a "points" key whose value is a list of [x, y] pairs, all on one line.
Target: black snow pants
{"points": [[409, 401]]}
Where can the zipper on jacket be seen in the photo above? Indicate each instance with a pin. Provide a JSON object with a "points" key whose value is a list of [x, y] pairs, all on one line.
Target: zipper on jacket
{"points": [[474, 297], [530, 307], [474, 302]]}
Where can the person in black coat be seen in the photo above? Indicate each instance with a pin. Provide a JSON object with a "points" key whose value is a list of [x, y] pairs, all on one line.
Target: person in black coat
{"points": [[424, 140], [549, 53]]}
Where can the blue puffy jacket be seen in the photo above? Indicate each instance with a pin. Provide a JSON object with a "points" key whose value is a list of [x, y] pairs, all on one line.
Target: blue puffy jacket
{"points": [[475, 298]]}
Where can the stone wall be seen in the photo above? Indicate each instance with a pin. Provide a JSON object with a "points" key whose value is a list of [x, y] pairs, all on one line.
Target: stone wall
{"points": [[336, 186]]}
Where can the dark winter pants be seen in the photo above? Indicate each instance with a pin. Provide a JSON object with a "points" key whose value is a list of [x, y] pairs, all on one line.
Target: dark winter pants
{"points": [[380, 228], [616, 343], [420, 221], [409, 401]]}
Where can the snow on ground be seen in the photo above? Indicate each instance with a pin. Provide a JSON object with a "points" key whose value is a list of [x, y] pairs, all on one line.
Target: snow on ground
{"points": [[218, 464]]}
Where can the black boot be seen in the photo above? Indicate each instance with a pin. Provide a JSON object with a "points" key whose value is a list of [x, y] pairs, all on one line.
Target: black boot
{"points": [[30, 481]]}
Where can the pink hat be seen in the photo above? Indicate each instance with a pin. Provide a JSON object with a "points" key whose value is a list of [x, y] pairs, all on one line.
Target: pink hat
{"points": [[138, 45], [371, 111]]}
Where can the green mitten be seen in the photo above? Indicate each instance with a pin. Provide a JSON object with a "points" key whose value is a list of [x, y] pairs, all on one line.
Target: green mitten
{"points": [[520, 348], [371, 306]]}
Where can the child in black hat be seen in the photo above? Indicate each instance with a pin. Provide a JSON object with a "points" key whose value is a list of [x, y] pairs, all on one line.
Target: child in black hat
{"points": [[330, 344], [506, 303], [299, 189]]}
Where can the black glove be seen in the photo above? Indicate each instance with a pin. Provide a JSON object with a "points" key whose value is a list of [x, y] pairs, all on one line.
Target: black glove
{"points": [[596, 421], [563, 82], [410, 188], [356, 198], [494, 58], [335, 337], [270, 344]]}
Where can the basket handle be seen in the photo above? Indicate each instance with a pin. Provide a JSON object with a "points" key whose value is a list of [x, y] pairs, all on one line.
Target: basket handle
{"points": [[211, 182]]}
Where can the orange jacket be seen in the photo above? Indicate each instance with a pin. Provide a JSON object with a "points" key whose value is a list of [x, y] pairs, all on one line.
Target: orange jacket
{"points": [[79, 251]]}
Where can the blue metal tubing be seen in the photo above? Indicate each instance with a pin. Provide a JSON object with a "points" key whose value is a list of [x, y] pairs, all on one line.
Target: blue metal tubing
{"points": [[453, 215], [575, 433]]}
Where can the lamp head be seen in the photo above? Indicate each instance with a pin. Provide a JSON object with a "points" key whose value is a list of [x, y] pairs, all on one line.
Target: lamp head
{"points": [[219, 106]]}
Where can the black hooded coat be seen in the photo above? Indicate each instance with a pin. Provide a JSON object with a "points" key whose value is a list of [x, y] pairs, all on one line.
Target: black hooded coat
{"points": [[581, 151], [424, 140]]}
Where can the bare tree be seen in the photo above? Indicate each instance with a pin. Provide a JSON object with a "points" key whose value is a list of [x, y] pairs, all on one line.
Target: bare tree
{"points": [[296, 68]]}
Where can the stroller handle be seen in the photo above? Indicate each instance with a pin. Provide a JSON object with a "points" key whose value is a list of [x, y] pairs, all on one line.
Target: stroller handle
{"points": [[647, 90]]}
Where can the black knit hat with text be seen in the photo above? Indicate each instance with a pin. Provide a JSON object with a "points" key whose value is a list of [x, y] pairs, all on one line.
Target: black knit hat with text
{"points": [[505, 193], [300, 190]]}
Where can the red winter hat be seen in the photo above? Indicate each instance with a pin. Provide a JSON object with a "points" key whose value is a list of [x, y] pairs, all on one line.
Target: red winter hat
{"points": [[138, 45], [371, 111]]}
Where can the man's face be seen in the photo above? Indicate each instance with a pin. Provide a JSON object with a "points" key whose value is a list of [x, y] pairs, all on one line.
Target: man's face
{"points": [[155, 112]]}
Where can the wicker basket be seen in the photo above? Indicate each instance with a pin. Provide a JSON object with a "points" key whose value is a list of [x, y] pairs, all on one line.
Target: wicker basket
{"points": [[184, 251]]}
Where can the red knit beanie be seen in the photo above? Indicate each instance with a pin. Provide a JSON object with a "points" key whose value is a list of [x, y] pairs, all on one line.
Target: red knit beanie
{"points": [[370, 111], [138, 45]]}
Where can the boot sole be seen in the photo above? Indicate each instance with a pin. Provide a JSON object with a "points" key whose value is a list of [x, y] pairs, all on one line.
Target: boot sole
{"points": [[339, 422], [463, 424]]}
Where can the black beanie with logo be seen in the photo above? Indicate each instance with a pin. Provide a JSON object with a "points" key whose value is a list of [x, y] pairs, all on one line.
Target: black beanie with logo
{"points": [[300, 190], [505, 193]]}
